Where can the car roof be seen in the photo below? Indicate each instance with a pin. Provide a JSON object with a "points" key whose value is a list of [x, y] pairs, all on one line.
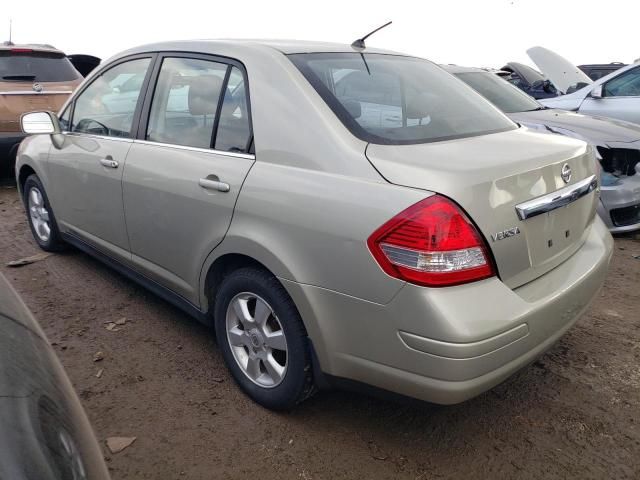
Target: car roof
{"points": [[601, 65], [458, 69], [284, 46], [36, 47]]}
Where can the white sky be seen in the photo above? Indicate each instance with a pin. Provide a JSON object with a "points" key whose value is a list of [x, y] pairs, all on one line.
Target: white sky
{"points": [[482, 33]]}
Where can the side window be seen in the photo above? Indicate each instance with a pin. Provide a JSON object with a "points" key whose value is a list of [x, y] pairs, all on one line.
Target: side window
{"points": [[104, 108], [624, 85], [185, 102], [234, 131], [65, 118]]}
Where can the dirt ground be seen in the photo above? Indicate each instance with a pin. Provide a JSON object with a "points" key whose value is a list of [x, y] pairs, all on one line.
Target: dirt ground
{"points": [[573, 414]]}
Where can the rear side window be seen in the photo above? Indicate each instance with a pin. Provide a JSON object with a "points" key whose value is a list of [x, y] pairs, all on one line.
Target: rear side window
{"points": [[103, 108], [185, 102], [32, 66], [200, 103], [234, 131], [390, 99]]}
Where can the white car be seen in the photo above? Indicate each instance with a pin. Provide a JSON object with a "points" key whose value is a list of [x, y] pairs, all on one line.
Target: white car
{"points": [[616, 95]]}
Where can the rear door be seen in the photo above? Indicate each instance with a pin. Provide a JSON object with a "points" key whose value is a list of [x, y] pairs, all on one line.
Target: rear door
{"points": [[86, 171], [185, 170], [620, 98]]}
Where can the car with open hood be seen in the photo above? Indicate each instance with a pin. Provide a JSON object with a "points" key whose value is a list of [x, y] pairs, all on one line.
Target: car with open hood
{"points": [[32, 77], [616, 142], [337, 213], [528, 80], [616, 95]]}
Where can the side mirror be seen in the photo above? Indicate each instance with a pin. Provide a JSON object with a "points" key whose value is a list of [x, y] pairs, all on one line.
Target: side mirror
{"points": [[40, 122], [596, 92]]}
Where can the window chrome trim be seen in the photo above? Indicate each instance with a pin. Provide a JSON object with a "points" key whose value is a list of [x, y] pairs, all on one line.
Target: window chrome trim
{"points": [[33, 92], [247, 156], [559, 198], [97, 137]]}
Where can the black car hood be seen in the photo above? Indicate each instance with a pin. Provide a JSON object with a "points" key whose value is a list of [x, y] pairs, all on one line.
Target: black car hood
{"points": [[592, 128]]}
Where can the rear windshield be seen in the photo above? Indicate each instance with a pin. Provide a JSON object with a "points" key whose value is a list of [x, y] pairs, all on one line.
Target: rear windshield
{"points": [[36, 67], [389, 99], [501, 93]]}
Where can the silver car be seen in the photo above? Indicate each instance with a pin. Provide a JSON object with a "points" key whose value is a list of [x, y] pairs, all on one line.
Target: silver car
{"points": [[334, 212], [616, 95], [616, 142]]}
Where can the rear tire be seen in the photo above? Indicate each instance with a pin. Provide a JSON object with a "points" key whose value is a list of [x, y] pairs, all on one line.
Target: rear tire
{"points": [[262, 339], [40, 216]]}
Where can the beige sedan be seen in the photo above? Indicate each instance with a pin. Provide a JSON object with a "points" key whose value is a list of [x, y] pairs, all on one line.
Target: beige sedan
{"points": [[338, 214]]}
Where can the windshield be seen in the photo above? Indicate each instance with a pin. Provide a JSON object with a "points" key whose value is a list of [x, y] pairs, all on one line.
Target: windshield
{"points": [[391, 99], [501, 93], [36, 67]]}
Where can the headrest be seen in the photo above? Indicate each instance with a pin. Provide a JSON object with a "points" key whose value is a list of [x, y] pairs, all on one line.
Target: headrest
{"points": [[204, 91]]}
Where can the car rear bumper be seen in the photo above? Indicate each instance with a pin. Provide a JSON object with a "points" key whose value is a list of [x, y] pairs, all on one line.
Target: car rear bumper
{"points": [[448, 345]]}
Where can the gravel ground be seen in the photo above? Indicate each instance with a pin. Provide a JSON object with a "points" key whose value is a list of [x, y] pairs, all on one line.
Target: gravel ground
{"points": [[574, 413]]}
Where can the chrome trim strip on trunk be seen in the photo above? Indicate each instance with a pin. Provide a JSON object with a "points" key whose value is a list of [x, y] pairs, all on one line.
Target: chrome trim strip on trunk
{"points": [[557, 199], [33, 92]]}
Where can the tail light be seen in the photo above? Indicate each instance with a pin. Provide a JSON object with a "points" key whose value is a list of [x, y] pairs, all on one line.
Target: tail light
{"points": [[432, 243]]}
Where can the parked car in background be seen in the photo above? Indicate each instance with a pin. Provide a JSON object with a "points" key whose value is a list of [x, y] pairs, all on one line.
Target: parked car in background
{"points": [[528, 80], [596, 71], [350, 213], [32, 77], [616, 95], [44, 433], [616, 142], [85, 64]]}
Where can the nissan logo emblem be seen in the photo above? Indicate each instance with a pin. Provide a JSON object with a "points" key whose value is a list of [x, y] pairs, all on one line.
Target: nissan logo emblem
{"points": [[565, 173]]}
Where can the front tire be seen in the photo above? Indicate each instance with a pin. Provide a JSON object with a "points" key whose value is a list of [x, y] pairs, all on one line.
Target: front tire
{"points": [[40, 215], [262, 339]]}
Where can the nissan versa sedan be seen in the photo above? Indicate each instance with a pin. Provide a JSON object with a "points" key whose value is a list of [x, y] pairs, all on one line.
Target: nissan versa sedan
{"points": [[616, 142], [334, 212]]}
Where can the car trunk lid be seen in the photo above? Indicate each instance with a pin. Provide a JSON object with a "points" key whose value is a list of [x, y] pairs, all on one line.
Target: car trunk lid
{"points": [[489, 176]]}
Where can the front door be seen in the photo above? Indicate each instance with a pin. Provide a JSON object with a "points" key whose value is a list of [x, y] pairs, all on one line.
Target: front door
{"points": [[183, 176], [86, 170], [620, 98]]}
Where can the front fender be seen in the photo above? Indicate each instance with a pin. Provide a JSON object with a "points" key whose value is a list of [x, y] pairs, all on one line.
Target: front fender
{"points": [[33, 154]]}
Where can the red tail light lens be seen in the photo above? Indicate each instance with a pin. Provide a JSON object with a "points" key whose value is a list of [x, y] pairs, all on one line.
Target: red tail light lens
{"points": [[432, 243]]}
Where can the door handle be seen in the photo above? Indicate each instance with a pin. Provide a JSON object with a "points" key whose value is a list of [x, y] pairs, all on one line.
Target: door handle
{"points": [[210, 184], [108, 162]]}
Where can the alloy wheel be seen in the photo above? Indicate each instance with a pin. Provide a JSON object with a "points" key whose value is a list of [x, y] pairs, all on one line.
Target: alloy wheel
{"points": [[257, 339], [39, 215]]}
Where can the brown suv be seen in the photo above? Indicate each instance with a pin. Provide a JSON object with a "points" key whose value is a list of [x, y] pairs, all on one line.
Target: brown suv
{"points": [[32, 77]]}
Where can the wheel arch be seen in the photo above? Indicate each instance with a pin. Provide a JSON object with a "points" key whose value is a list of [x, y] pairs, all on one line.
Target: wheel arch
{"points": [[25, 172], [223, 261]]}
